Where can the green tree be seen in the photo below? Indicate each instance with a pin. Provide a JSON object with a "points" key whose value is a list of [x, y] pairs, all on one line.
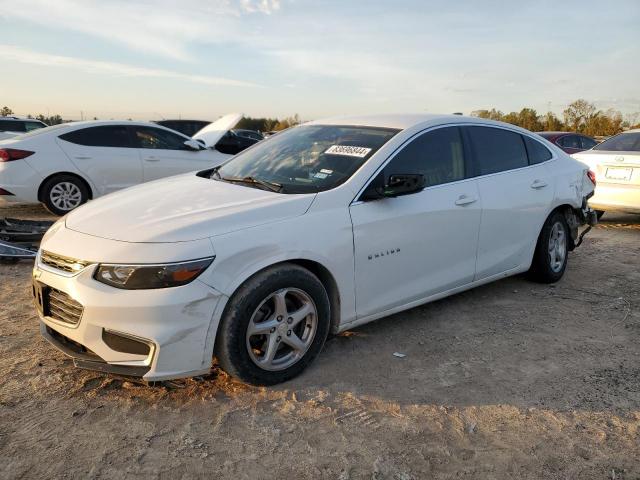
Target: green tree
{"points": [[492, 114], [578, 114], [5, 111], [551, 123]]}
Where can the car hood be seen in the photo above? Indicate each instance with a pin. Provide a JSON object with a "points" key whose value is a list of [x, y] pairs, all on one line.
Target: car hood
{"points": [[214, 131], [183, 208]]}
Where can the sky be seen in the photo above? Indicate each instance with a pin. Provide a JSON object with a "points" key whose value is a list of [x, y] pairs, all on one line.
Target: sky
{"points": [[149, 60]]}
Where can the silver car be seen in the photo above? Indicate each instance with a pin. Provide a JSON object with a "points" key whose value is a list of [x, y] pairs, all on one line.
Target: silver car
{"points": [[616, 163]]}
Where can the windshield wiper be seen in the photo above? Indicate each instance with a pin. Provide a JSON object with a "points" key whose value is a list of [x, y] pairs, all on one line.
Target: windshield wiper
{"points": [[273, 186]]}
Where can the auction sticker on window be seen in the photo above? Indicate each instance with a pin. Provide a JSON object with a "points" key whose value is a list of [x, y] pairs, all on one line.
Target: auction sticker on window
{"points": [[348, 150]]}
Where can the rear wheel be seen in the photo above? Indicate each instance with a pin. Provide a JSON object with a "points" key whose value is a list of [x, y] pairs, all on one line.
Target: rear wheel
{"points": [[551, 253], [274, 325], [63, 193]]}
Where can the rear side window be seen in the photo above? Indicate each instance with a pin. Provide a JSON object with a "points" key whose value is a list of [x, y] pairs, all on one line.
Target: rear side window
{"points": [[536, 152], [11, 126], [438, 155], [624, 142], [497, 150], [105, 136]]}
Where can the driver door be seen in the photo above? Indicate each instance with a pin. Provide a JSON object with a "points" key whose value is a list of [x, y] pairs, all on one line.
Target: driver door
{"points": [[164, 153], [413, 246]]}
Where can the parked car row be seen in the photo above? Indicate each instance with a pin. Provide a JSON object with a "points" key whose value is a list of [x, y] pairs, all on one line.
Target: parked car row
{"points": [[321, 228], [14, 126], [66, 165]]}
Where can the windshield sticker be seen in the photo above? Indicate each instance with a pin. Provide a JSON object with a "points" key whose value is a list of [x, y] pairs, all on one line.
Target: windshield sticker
{"points": [[324, 170], [349, 151], [321, 175]]}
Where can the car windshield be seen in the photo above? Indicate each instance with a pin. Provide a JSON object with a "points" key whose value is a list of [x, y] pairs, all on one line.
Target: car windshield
{"points": [[309, 158], [624, 142]]}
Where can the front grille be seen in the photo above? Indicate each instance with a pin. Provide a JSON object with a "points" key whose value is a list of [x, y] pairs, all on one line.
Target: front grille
{"points": [[59, 262], [62, 307]]}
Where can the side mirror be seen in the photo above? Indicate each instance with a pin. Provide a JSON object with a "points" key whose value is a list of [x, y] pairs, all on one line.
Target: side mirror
{"points": [[193, 145], [398, 184]]}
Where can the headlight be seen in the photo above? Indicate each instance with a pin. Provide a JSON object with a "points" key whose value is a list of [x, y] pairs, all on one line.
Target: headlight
{"points": [[142, 277]]}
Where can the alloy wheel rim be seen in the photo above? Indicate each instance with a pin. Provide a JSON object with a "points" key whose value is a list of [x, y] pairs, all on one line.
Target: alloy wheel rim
{"points": [[65, 196], [281, 330], [557, 247]]}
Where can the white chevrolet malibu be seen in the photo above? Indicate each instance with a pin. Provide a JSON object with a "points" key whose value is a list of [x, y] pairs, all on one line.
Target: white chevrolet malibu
{"points": [[321, 228]]}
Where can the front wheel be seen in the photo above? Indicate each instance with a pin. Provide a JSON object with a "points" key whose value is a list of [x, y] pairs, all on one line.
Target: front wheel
{"points": [[550, 256], [274, 325]]}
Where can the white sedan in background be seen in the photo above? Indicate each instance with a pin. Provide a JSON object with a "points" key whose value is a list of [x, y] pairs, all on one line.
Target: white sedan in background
{"points": [[66, 165], [321, 228], [616, 163]]}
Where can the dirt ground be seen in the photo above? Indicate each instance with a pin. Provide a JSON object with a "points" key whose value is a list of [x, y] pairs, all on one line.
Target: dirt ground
{"points": [[510, 380]]}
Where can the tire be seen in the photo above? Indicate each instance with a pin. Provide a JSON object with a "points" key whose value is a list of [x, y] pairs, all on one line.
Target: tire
{"points": [[548, 265], [63, 193], [259, 304], [599, 214]]}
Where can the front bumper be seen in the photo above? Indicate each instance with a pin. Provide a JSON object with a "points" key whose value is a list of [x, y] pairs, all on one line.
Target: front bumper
{"points": [[177, 326]]}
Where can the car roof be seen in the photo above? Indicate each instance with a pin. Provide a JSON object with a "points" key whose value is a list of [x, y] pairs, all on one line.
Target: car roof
{"points": [[20, 119], [406, 121]]}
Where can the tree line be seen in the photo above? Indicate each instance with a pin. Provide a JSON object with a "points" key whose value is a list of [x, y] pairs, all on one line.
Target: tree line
{"points": [[260, 124], [580, 116]]}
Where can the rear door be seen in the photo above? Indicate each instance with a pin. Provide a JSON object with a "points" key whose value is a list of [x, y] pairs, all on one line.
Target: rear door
{"points": [[105, 155], [164, 153], [413, 246], [516, 196]]}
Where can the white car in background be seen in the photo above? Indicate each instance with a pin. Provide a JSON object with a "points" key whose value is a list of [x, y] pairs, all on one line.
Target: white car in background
{"points": [[13, 126], [321, 228], [66, 165], [616, 163]]}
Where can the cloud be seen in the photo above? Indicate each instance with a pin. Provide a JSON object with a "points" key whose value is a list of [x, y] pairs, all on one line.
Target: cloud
{"points": [[24, 55], [158, 27]]}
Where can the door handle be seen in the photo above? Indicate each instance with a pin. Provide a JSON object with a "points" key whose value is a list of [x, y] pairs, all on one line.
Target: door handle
{"points": [[151, 159], [464, 200], [82, 157], [538, 184]]}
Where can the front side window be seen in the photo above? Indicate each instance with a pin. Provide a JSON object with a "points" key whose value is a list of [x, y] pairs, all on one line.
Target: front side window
{"points": [[536, 152], [155, 138], [309, 158], [438, 155], [588, 143], [624, 142], [103, 136], [28, 126], [496, 149]]}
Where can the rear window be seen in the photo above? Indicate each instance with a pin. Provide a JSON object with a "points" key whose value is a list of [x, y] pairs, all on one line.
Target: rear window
{"points": [[536, 151], [624, 142], [497, 150], [105, 136], [28, 125]]}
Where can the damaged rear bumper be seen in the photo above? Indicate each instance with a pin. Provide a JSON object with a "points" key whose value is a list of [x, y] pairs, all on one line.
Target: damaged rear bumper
{"points": [[580, 221]]}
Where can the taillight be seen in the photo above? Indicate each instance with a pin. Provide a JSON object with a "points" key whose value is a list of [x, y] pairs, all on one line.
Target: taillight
{"points": [[592, 177], [10, 154]]}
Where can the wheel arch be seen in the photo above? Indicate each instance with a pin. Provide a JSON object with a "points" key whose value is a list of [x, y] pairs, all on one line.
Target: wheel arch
{"points": [[326, 277], [72, 174], [567, 210]]}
